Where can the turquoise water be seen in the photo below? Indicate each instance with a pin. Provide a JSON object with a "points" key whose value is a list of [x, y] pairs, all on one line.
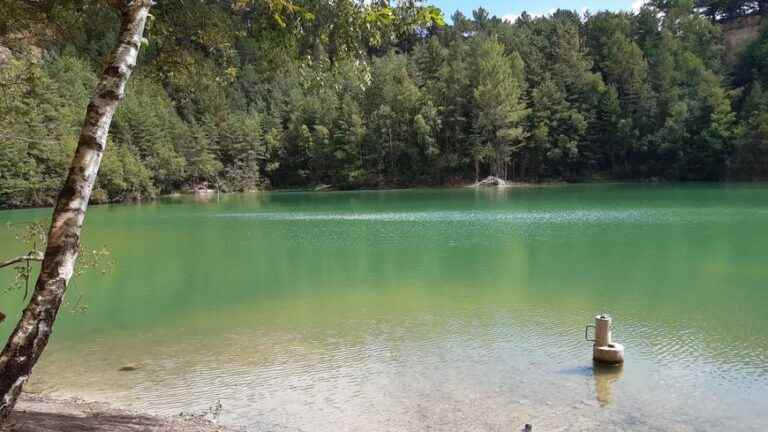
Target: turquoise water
{"points": [[425, 309]]}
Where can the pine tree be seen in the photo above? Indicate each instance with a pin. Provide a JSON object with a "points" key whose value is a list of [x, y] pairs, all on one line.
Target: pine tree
{"points": [[499, 108]]}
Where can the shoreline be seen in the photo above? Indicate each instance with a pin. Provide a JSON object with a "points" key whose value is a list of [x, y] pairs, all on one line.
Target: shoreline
{"points": [[36, 413], [397, 187], [384, 187]]}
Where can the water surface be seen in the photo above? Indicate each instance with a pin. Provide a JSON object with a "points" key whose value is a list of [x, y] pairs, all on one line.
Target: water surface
{"points": [[425, 309]]}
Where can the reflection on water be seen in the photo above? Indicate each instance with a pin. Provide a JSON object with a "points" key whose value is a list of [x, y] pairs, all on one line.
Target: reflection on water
{"points": [[414, 310], [605, 377]]}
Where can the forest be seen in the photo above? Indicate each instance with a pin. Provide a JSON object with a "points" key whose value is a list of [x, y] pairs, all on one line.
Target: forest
{"points": [[241, 95]]}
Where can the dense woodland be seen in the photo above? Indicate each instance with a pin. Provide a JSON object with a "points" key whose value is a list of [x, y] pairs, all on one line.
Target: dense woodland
{"points": [[242, 94]]}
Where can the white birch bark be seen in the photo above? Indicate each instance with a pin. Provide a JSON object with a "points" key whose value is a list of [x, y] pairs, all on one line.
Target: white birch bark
{"points": [[28, 340]]}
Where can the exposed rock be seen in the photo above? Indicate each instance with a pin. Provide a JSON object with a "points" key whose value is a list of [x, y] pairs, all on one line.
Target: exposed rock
{"points": [[491, 181], [738, 34], [323, 187], [5, 56], [201, 188]]}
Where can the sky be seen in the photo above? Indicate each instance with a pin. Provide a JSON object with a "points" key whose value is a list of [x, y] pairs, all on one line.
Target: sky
{"points": [[510, 9]]}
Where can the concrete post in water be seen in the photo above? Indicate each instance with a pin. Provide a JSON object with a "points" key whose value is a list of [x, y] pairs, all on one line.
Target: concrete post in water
{"points": [[602, 330], [604, 349]]}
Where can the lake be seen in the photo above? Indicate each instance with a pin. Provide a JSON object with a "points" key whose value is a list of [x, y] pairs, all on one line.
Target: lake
{"points": [[424, 309]]}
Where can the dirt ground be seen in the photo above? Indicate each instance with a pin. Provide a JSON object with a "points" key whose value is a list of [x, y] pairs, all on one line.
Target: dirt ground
{"points": [[39, 414]]}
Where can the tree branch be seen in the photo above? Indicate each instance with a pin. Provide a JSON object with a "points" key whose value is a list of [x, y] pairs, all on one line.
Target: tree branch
{"points": [[32, 140], [34, 256]]}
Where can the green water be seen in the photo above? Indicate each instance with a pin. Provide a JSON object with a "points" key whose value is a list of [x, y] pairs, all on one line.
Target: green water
{"points": [[425, 309]]}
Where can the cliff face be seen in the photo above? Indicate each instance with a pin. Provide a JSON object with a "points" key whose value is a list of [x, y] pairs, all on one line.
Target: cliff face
{"points": [[738, 34]]}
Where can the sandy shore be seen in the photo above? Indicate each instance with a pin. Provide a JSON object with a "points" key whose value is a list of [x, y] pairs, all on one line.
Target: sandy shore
{"points": [[41, 414]]}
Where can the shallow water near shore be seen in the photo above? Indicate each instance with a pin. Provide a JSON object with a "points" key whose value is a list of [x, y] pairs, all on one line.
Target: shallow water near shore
{"points": [[424, 309]]}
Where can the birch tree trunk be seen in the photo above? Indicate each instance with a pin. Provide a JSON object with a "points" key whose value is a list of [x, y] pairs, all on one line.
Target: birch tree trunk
{"points": [[31, 334]]}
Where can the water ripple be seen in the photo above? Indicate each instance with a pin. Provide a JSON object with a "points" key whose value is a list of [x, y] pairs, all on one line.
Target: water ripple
{"points": [[564, 216]]}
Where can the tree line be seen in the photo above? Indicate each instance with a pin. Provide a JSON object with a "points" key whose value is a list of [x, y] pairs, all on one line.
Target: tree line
{"points": [[243, 94]]}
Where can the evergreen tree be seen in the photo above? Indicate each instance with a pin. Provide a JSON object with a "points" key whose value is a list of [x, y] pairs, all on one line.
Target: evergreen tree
{"points": [[499, 107]]}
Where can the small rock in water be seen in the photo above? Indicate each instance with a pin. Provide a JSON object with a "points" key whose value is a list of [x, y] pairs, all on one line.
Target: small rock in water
{"points": [[131, 367]]}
